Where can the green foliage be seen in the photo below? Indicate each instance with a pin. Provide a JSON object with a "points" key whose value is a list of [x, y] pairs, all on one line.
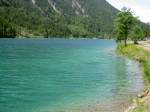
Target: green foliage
{"points": [[7, 29], [123, 24], [136, 34], [146, 29], [41, 19]]}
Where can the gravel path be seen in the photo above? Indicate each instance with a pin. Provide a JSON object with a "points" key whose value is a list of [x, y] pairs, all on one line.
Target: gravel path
{"points": [[145, 45]]}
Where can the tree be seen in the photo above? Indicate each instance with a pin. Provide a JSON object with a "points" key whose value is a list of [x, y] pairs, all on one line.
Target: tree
{"points": [[147, 30], [7, 29], [123, 24], [136, 34]]}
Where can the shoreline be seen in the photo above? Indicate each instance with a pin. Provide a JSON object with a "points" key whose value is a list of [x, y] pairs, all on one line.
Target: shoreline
{"points": [[141, 54], [141, 98], [65, 37]]}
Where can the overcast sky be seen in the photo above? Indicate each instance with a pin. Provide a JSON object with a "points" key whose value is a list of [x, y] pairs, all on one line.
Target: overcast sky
{"points": [[141, 8]]}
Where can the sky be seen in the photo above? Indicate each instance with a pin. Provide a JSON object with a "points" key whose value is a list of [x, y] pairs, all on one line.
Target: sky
{"points": [[141, 8]]}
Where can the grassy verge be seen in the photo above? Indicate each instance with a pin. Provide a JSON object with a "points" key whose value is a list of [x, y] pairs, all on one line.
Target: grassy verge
{"points": [[139, 54], [143, 56], [142, 108]]}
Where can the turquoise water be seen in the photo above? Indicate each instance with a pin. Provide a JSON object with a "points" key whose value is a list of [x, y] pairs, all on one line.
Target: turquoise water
{"points": [[59, 75]]}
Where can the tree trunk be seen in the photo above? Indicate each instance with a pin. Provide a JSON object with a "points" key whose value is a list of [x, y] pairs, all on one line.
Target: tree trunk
{"points": [[125, 41], [135, 42]]}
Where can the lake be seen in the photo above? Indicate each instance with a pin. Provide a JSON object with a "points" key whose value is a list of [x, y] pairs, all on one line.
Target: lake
{"points": [[62, 75]]}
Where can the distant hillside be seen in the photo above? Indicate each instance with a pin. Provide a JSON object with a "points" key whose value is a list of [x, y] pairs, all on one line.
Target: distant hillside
{"points": [[57, 17]]}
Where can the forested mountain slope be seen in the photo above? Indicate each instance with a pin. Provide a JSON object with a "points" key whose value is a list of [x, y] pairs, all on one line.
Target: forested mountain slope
{"points": [[57, 17]]}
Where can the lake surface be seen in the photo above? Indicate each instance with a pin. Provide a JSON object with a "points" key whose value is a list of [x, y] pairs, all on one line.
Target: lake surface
{"points": [[60, 75]]}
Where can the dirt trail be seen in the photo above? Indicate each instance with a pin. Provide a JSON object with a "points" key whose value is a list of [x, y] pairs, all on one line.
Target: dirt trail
{"points": [[145, 45]]}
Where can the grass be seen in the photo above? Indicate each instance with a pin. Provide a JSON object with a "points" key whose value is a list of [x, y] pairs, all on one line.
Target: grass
{"points": [[139, 54], [142, 108], [143, 56]]}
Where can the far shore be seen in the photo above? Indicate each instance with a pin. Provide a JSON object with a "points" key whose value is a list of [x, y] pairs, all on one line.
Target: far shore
{"points": [[42, 37]]}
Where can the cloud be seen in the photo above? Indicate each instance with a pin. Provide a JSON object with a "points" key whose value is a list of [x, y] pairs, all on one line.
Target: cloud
{"points": [[141, 8]]}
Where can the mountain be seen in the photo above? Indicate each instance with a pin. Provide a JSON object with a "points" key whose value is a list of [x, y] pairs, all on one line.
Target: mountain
{"points": [[57, 17]]}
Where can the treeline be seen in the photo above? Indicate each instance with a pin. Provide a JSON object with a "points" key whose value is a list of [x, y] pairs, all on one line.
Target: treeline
{"points": [[27, 20], [7, 29], [22, 18], [146, 29], [23, 24]]}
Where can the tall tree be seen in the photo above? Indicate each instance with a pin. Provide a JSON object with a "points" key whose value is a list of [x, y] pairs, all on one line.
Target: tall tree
{"points": [[123, 24], [147, 30], [136, 34], [7, 29]]}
